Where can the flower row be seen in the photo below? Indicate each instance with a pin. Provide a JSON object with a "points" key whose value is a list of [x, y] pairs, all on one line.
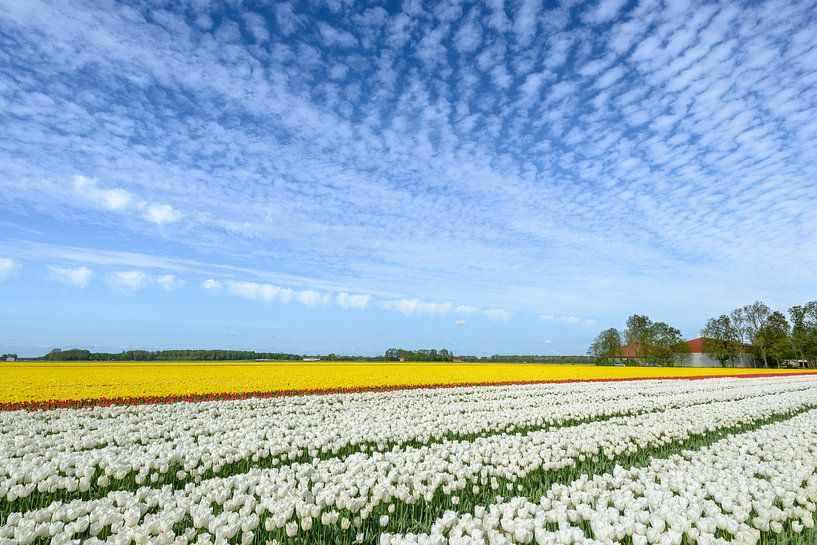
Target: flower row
{"points": [[733, 491], [80, 451], [54, 404], [342, 495]]}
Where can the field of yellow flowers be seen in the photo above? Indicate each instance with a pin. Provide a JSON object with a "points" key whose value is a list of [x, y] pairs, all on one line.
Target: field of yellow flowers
{"points": [[40, 381]]}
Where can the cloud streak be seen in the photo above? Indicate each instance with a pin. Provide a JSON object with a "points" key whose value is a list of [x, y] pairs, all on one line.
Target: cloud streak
{"points": [[412, 307]]}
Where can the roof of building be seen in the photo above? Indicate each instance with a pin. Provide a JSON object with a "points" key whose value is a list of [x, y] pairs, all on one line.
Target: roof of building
{"points": [[696, 346], [630, 350]]}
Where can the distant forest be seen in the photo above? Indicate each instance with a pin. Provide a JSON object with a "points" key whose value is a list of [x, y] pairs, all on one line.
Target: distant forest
{"points": [[392, 354], [77, 354]]}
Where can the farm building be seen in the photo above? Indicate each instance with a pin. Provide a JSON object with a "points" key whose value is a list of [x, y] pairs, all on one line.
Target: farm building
{"points": [[630, 353], [698, 358], [796, 364]]}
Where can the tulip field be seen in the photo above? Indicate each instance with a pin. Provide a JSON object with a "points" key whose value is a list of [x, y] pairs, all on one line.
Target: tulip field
{"points": [[714, 461], [49, 382]]}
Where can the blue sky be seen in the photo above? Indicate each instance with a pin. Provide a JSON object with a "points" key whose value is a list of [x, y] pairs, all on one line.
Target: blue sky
{"points": [[493, 177]]}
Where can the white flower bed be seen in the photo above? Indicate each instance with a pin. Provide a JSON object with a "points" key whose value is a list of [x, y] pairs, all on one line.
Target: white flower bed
{"points": [[375, 490], [75, 450], [760, 481]]}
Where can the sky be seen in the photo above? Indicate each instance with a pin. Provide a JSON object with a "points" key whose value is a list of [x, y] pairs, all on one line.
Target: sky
{"points": [[314, 177]]}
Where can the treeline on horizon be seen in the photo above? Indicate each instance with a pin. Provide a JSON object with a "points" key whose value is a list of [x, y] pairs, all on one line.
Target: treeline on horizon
{"points": [[399, 354], [392, 354]]}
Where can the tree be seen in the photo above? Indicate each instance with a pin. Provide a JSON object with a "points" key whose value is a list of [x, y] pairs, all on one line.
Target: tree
{"points": [[755, 318], [392, 354], [606, 345], [721, 339], [639, 334], [811, 328], [740, 325], [74, 354], [665, 341], [639, 329], [804, 330], [653, 339], [775, 337]]}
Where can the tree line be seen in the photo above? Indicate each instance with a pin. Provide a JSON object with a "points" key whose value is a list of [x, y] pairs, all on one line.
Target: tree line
{"points": [[400, 354], [422, 354], [533, 358], [643, 338], [392, 354], [766, 334], [77, 354]]}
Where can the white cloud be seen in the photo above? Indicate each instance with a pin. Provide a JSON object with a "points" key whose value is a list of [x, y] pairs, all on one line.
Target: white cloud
{"points": [[257, 26], [569, 320], [260, 292], [575, 320], [211, 284], [533, 83], [161, 213], [7, 267], [129, 280], [497, 314], [334, 37], [115, 199], [411, 307], [357, 302], [468, 37], [312, 298], [270, 293], [167, 281], [498, 19], [75, 276], [524, 24], [120, 200], [606, 11], [459, 322]]}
